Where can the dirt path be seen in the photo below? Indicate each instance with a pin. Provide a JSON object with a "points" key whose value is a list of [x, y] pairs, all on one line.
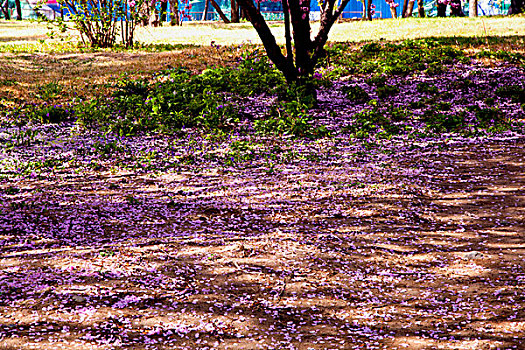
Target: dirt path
{"points": [[420, 250]]}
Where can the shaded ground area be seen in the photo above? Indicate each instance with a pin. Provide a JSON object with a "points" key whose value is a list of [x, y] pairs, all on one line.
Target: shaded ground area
{"points": [[414, 246]]}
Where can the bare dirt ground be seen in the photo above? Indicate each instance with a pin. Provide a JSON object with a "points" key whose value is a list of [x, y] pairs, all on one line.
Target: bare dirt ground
{"points": [[424, 251]]}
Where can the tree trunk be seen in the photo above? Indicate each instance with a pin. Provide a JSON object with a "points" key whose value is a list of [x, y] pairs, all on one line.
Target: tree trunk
{"points": [[420, 8], [174, 12], [287, 34], [307, 52], [473, 8], [206, 7], [244, 14], [219, 11], [234, 11], [456, 10], [5, 9], [393, 12], [369, 10], [516, 6], [405, 8], [163, 11], [18, 10], [327, 21], [410, 8], [300, 18], [441, 9], [270, 45]]}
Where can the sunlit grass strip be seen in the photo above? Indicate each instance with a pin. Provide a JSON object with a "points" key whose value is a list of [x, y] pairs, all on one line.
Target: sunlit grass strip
{"points": [[411, 28], [26, 35], [354, 31], [49, 47]]}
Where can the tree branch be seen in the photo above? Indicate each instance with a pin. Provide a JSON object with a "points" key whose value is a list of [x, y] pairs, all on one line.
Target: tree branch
{"points": [[300, 15], [219, 11], [272, 49], [327, 21], [287, 35]]}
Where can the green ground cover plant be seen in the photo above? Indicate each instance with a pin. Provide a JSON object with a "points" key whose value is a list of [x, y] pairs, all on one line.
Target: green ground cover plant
{"points": [[178, 98]]}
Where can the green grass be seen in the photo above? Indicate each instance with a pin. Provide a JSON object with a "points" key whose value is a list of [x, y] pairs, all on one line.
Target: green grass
{"points": [[355, 31], [411, 28], [28, 36]]}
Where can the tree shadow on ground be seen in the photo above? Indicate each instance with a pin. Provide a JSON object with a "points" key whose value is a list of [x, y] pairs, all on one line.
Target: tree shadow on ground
{"points": [[300, 260]]}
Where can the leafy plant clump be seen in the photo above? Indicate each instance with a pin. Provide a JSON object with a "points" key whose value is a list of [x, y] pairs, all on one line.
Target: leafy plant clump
{"points": [[373, 121], [440, 122], [515, 93], [177, 98], [392, 59], [49, 91], [289, 118], [488, 117], [162, 107], [424, 87], [355, 93], [386, 91], [377, 80]]}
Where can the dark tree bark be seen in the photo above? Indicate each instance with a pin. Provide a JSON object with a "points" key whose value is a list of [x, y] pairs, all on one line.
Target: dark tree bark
{"points": [[163, 11], [307, 51], [300, 18], [328, 19], [441, 9], [516, 6], [420, 8], [369, 10], [405, 8], [270, 45], [234, 11], [244, 14], [5, 9], [287, 35], [455, 9], [219, 11], [18, 10], [410, 8]]}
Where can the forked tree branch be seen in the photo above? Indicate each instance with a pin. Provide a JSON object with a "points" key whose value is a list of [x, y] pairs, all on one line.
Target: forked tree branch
{"points": [[327, 21], [307, 52], [272, 49]]}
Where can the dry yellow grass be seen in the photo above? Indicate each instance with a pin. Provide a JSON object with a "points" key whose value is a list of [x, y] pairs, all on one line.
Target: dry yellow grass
{"points": [[89, 74]]}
